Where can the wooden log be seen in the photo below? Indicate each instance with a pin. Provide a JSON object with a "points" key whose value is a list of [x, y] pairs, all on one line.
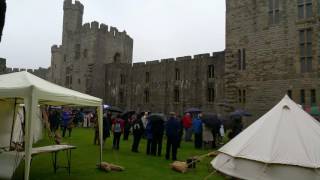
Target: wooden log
{"points": [[179, 166]]}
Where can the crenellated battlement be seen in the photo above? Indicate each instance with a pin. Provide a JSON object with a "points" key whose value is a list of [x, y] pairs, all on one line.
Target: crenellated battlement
{"points": [[75, 6], [197, 57], [55, 48], [33, 71], [95, 27]]}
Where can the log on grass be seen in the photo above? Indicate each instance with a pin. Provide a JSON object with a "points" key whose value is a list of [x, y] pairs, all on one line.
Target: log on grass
{"points": [[179, 166], [110, 167], [104, 166]]}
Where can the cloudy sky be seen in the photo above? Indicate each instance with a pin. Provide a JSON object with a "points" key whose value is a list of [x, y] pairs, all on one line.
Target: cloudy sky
{"points": [[160, 28]]}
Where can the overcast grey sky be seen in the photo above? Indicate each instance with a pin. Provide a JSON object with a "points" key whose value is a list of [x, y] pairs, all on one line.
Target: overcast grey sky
{"points": [[160, 28]]}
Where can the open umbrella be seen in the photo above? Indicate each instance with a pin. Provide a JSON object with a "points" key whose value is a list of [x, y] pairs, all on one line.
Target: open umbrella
{"points": [[192, 110], [156, 117], [114, 109], [127, 114], [240, 112], [211, 120]]}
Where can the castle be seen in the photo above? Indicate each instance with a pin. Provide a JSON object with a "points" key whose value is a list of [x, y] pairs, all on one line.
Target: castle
{"points": [[272, 49], [97, 60]]}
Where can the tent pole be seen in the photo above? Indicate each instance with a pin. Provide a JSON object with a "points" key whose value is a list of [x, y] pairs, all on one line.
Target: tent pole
{"points": [[100, 120], [13, 120], [31, 105]]}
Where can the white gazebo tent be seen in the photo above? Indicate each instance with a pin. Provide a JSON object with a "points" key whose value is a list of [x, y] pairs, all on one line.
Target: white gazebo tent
{"points": [[31, 90], [283, 144]]}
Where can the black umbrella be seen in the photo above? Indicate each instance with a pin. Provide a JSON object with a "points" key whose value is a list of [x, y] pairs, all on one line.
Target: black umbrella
{"points": [[240, 112], [211, 120], [114, 109], [192, 110], [127, 114], [156, 117]]}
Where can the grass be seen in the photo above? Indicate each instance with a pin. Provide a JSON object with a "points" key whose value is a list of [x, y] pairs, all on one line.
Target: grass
{"points": [[138, 165]]}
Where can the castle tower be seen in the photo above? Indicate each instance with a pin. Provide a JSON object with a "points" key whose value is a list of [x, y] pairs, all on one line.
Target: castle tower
{"points": [[72, 19]]}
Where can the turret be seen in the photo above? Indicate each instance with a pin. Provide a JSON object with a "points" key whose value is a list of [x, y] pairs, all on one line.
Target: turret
{"points": [[72, 18]]}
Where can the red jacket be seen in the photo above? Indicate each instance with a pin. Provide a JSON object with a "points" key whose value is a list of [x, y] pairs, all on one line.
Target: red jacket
{"points": [[187, 121], [121, 121]]}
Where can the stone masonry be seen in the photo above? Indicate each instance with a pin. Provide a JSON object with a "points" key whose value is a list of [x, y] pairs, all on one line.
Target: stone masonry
{"points": [[79, 62], [167, 85], [267, 35]]}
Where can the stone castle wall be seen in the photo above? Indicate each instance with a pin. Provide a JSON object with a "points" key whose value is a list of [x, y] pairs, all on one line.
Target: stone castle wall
{"points": [[272, 55], [40, 72], [193, 83]]}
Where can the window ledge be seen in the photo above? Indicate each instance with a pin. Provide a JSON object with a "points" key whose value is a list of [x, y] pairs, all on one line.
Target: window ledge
{"points": [[306, 20]]}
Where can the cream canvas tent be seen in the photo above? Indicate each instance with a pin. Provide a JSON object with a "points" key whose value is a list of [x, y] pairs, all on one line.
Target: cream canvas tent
{"points": [[282, 144], [31, 90]]}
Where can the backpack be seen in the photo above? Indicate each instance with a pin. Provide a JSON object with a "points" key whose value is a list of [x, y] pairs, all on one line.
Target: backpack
{"points": [[117, 126]]}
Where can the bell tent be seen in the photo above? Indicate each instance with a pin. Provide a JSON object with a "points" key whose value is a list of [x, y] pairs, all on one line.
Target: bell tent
{"points": [[283, 144]]}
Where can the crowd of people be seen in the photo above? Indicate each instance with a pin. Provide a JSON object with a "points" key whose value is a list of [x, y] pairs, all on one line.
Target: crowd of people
{"points": [[151, 127]]}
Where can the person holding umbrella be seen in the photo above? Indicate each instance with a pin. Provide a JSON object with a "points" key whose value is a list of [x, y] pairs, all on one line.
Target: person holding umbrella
{"points": [[149, 136], [197, 129], [157, 130]]}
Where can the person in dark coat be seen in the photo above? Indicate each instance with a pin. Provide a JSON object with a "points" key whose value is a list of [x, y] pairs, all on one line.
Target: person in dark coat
{"points": [[54, 118], [148, 135], [106, 125], [127, 127], [172, 132], [237, 127], [157, 129], [137, 129], [180, 131]]}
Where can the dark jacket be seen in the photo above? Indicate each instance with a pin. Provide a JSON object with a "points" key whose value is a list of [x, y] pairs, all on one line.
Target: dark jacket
{"points": [[137, 127], [172, 128], [149, 130], [106, 126], [157, 128]]}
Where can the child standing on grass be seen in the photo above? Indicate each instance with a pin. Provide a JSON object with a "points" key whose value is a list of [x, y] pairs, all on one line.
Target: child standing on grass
{"points": [[117, 129]]}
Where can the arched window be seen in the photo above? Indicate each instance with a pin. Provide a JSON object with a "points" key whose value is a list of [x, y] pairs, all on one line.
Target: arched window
{"points": [[116, 57]]}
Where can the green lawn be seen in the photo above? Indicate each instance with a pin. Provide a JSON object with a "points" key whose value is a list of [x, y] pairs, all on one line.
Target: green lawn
{"points": [[138, 165]]}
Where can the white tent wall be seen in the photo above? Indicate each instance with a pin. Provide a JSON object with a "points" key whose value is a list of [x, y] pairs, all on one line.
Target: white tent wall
{"points": [[6, 120], [37, 127], [252, 170]]}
